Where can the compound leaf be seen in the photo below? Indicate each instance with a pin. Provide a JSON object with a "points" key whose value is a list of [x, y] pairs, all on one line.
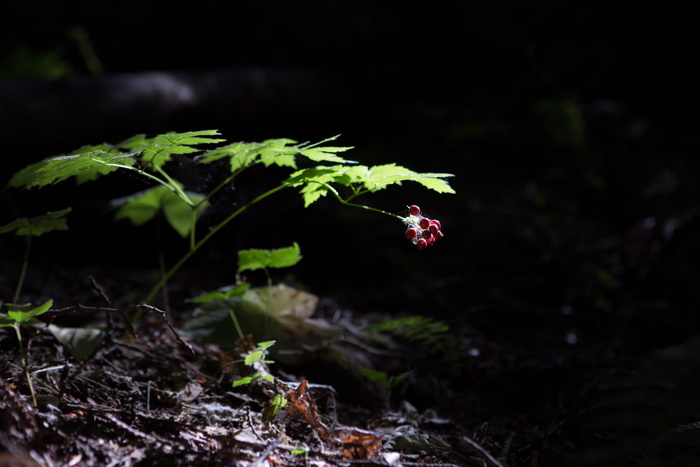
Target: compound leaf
{"points": [[38, 225], [157, 154], [87, 165], [326, 154]]}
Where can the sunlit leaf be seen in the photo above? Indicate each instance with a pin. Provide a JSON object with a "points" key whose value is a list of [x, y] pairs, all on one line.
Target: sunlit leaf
{"points": [[23, 313], [254, 259]]}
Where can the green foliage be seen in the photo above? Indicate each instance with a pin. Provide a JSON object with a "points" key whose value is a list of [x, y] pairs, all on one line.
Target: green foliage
{"points": [[21, 314], [34, 227], [224, 293], [16, 316], [253, 359], [38, 225], [143, 206], [317, 182], [254, 259], [149, 158]]}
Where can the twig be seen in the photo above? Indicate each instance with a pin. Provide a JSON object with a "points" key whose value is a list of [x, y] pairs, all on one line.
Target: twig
{"points": [[473, 445]]}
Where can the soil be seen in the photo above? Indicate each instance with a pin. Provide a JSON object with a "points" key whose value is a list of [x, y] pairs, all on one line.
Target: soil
{"points": [[146, 396]]}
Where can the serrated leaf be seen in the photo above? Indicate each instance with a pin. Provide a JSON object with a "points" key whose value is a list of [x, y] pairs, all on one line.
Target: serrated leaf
{"points": [[38, 225], [240, 155], [164, 146], [136, 142], [326, 154], [254, 259], [381, 176], [23, 313], [84, 166], [276, 152]]}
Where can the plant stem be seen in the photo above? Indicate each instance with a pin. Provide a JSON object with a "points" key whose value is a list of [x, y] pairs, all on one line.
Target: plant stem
{"points": [[347, 202], [23, 272], [204, 239], [25, 367]]}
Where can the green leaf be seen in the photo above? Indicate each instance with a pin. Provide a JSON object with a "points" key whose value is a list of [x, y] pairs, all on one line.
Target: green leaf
{"points": [[379, 377], [241, 155], [254, 356], [23, 313], [266, 345], [254, 259], [381, 176], [276, 152], [327, 154], [222, 294], [179, 214], [36, 226], [141, 207], [242, 381], [85, 165], [164, 146]]}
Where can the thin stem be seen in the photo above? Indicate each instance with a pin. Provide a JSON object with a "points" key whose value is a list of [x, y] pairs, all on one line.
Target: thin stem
{"points": [[356, 193], [25, 367], [174, 186], [161, 265], [204, 239], [235, 323], [23, 272], [193, 222]]}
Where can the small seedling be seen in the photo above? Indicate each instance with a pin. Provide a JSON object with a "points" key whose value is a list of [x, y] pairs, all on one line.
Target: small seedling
{"points": [[34, 227], [18, 315], [388, 382], [255, 359]]}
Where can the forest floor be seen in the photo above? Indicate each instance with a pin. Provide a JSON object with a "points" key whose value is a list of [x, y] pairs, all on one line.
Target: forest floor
{"points": [[147, 395]]}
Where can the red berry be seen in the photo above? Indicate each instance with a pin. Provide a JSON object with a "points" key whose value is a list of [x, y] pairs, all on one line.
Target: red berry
{"points": [[424, 223], [430, 240], [432, 228], [436, 222], [414, 210], [422, 244], [411, 233], [425, 234], [438, 235]]}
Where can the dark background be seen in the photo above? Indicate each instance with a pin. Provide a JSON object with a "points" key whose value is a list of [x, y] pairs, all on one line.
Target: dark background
{"points": [[571, 131]]}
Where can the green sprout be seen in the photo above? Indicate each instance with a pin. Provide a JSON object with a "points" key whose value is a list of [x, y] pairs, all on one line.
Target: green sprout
{"points": [[388, 382], [18, 315], [34, 227]]}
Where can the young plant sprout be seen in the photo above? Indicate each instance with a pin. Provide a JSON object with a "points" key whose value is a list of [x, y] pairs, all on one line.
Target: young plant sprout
{"points": [[421, 230]]}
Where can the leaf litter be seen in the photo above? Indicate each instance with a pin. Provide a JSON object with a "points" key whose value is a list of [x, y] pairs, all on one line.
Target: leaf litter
{"points": [[146, 396]]}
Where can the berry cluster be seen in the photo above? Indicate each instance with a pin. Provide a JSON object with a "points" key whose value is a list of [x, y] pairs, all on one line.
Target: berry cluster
{"points": [[421, 230]]}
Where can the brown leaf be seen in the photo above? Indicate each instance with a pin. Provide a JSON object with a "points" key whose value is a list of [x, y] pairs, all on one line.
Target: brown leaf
{"points": [[302, 405], [357, 443]]}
